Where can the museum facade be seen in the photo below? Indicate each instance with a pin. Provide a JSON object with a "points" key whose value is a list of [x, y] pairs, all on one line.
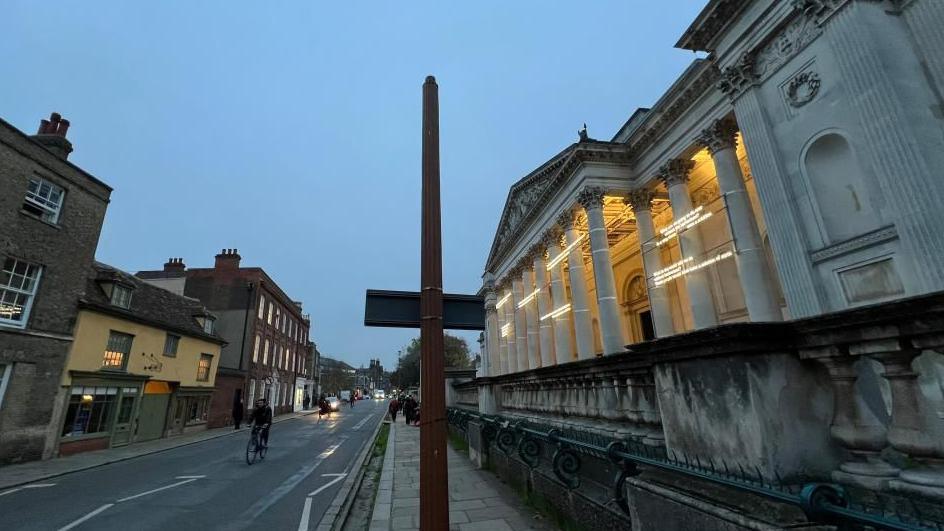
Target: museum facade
{"points": [[793, 172]]}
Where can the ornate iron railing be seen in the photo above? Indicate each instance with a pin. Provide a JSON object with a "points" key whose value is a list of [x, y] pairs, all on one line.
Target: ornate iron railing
{"points": [[821, 502]]}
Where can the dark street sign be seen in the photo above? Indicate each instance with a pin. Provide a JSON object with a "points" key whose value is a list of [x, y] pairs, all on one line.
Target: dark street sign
{"points": [[401, 309]]}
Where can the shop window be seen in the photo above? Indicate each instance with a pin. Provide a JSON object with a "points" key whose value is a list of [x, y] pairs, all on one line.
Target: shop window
{"points": [[203, 367], [117, 350], [43, 199], [197, 410], [89, 411], [18, 283], [170, 345]]}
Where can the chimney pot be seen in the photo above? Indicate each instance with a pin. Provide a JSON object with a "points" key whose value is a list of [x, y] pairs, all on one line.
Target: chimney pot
{"points": [[52, 135], [175, 264], [227, 259]]}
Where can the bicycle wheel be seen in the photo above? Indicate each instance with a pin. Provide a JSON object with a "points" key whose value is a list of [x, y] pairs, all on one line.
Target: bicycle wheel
{"points": [[252, 449]]}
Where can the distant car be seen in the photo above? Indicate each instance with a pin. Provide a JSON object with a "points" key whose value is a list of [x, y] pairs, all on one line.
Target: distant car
{"points": [[333, 402]]}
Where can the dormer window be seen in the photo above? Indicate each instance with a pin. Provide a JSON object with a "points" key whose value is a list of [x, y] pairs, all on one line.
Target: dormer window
{"points": [[121, 296], [207, 323]]}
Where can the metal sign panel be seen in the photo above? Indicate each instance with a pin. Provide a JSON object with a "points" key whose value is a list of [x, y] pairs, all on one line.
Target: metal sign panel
{"points": [[401, 309]]}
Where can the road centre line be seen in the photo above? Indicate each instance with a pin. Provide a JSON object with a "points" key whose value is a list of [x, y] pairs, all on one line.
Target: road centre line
{"points": [[165, 487], [360, 424], [86, 517]]}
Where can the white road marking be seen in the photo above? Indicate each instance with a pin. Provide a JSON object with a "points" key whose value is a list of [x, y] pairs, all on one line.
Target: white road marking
{"points": [[190, 477], [33, 486], [360, 424], [338, 477], [306, 515], [86, 517], [165, 487]]}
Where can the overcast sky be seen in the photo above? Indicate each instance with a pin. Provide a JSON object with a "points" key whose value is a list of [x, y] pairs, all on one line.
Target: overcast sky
{"points": [[291, 130]]}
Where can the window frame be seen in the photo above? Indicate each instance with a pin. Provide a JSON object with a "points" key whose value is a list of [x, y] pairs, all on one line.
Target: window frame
{"points": [[125, 355], [36, 200], [262, 302], [31, 295], [255, 349], [6, 374], [176, 342], [208, 358], [116, 299]]}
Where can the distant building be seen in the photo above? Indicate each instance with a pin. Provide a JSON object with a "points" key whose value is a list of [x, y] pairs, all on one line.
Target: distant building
{"points": [[142, 365], [51, 214], [265, 330]]}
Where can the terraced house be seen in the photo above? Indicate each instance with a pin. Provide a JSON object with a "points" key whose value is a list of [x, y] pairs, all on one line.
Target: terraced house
{"points": [[142, 366], [51, 214]]}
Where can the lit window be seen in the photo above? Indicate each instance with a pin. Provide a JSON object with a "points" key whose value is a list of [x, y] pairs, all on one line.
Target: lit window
{"points": [[271, 313], [117, 350], [170, 345], [121, 296], [203, 367], [89, 410], [255, 350], [18, 283], [261, 313], [265, 353], [43, 199], [278, 318]]}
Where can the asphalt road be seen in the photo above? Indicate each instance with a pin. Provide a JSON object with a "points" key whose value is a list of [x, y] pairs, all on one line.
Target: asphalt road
{"points": [[207, 485]]}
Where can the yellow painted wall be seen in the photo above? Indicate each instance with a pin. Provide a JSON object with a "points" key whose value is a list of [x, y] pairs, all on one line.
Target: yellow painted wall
{"points": [[91, 337]]}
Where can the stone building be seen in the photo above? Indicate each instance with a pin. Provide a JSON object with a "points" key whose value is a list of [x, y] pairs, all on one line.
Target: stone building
{"points": [[142, 365], [793, 173], [266, 332], [51, 214]]}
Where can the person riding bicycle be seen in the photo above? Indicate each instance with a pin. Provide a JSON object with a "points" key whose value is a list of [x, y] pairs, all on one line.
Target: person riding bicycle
{"points": [[262, 417]]}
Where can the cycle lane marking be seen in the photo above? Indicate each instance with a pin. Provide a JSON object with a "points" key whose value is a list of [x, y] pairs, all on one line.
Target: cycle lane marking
{"points": [[103, 508], [33, 486]]}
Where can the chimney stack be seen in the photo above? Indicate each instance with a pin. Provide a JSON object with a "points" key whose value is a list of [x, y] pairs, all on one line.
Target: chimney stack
{"points": [[228, 259], [52, 135], [175, 264]]}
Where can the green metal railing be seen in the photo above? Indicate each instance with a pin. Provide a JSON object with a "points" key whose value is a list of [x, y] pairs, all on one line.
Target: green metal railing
{"points": [[821, 502]]}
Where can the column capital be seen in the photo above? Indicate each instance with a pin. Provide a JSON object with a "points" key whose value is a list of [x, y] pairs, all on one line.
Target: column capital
{"points": [[737, 78], [566, 219], [526, 264], [639, 199], [551, 237], [538, 249], [676, 171], [720, 135], [591, 197]]}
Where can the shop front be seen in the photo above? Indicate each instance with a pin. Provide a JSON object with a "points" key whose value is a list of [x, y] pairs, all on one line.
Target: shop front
{"points": [[101, 412], [190, 410]]}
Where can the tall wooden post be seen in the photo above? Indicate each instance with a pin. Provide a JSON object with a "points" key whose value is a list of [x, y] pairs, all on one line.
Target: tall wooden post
{"points": [[434, 486]]}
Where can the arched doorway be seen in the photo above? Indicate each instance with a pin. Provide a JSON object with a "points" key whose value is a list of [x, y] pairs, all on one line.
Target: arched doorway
{"points": [[636, 307]]}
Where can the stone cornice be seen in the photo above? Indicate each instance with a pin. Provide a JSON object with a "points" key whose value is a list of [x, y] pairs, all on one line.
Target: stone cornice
{"points": [[710, 24]]}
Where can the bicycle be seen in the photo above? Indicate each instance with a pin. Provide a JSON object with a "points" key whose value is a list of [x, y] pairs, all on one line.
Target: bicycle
{"points": [[255, 448]]}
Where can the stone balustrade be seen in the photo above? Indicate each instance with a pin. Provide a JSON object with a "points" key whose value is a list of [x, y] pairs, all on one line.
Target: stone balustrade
{"points": [[853, 397]]}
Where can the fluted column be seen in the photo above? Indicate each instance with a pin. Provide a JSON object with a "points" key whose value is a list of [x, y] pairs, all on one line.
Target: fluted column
{"points": [[502, 360], [492, 335], [756, 281], [511, 349], [675, 174], [563, 343], [611, 329], [641, 202], [545, 306], [580, 299], [521, 322], [531, 314]]}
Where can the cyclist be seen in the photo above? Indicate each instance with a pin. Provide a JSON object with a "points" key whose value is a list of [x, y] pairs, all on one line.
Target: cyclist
{"points": [[262, 416]]}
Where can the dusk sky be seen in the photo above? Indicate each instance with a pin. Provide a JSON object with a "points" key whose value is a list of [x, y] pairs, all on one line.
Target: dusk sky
{"points": [[291, 130]]}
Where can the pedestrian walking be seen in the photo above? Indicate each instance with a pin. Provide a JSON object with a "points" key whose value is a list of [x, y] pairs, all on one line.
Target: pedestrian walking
{"points": [[392, 408], [238, 412]]}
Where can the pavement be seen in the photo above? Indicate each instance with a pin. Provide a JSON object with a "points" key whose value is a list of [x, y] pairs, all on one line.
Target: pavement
{"points": [[478, 500], [195, 481]]}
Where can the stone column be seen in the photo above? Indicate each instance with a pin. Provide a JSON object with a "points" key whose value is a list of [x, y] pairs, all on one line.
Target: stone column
{"points": [[641, 202], [511, 349], [531, 315], [521, 322], [563, 343], [492, 334], [580, 299], [545, 306], [611, 328], [675, 175], [753, 271]]}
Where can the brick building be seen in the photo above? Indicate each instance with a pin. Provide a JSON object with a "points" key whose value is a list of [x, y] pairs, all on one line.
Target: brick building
{"points": [[51, 214], [266, 332]]}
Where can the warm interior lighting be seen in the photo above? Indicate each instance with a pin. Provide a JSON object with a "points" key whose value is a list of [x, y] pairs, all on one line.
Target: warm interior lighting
{"points": [[563, 255], [684, 267], [503, 301], [557, 313], [505, 330], [528, 299], [684, 223]]}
